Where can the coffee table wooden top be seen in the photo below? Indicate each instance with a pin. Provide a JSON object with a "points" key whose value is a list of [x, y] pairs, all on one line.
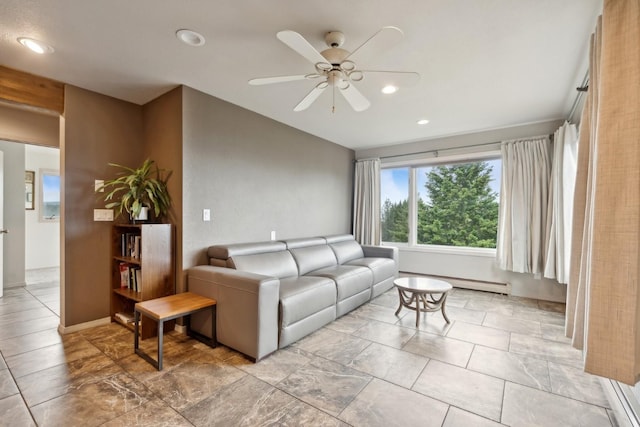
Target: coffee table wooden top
{"points": [[422, 285], [174, 305]]}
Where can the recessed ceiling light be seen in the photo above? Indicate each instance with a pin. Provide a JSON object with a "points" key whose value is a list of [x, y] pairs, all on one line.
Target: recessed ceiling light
{"points": [[190, 37], [423, 121], [389, 89], [35, 45]]}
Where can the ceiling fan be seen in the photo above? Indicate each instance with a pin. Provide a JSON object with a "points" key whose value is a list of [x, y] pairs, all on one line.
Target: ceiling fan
{"points": [[336, 67]]}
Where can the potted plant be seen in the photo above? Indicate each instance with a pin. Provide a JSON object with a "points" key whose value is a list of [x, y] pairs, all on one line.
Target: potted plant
{"points": [[136, 190]]}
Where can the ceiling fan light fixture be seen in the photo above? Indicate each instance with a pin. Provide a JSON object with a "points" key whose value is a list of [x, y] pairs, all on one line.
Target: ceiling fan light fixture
{"points": [[190, 37], [35, 45], [389, 89], [422, 122]]}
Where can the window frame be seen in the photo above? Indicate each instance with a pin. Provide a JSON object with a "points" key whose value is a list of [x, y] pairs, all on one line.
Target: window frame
{"points": [[436, 160], [41, 202]]}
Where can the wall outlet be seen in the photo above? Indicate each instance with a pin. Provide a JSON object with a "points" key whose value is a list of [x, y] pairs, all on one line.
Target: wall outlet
{"points": [[273, 235], [206, 214], [103, 214]]}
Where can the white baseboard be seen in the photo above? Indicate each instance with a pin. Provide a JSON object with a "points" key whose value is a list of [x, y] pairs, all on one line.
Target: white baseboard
{"points": [[81, 326]]}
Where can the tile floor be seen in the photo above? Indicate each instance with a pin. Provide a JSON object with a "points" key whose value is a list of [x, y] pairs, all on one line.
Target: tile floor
{"points": [[502, 361]]}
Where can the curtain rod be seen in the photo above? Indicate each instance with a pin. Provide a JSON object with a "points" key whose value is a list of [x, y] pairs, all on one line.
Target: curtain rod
{"points": [[581, 90], [439, 150]]}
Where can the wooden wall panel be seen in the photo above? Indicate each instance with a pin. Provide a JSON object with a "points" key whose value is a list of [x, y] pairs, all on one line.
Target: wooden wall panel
{"points": [[23, 88]]}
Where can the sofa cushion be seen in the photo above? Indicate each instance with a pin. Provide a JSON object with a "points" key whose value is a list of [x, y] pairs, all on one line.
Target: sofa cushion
{"points": [[313, 258], [349, 279], [227, 251], [347, 250], [382, 268], [303, 296], [276, 264], [304, 242]]}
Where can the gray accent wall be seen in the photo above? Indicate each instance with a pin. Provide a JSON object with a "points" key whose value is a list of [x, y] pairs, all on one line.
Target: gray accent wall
{"points": [[257, 176]]}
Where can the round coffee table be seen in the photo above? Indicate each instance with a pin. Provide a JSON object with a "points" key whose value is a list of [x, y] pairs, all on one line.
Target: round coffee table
{"points": [[422, 294]]}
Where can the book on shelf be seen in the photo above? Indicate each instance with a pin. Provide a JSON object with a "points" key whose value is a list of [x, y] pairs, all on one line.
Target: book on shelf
{"points": [[125, 317], [124, 275], [130, 245]]}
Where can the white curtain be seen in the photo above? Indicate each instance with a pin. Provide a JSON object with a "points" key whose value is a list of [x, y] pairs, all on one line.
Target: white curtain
{"points": [[526, 168], [560, 208], [603, 294], [366, 202]]}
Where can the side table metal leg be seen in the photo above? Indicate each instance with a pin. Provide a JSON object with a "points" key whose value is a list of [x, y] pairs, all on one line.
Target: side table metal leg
{"points": [[400, 304], [136, 324], [160, 336], [416, 297], [444, 313]]}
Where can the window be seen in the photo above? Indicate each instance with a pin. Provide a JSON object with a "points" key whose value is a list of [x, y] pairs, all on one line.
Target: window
{"points": [[49, 195], [452, 204], [394, 215]]}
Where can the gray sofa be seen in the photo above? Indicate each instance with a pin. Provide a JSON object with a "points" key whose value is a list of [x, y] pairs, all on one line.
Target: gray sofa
{"points": [[271, 294]]}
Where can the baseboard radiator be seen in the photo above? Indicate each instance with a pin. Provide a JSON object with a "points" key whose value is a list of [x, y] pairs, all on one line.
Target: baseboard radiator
{"points": [[476, 285]]}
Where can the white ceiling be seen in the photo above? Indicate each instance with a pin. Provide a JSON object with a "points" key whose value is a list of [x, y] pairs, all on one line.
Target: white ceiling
{"points": [[484, 64]]}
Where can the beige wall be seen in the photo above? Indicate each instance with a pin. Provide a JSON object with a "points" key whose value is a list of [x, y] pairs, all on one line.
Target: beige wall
{"points": [[97, 130], [28, 125], [257, 175]]}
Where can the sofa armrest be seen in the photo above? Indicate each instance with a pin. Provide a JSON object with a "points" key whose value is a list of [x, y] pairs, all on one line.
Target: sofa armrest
{"points": [[381, 252], [247, 309]]}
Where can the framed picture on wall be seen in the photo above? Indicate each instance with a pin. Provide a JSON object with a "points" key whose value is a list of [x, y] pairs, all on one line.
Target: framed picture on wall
{"points": [[29, 180]]}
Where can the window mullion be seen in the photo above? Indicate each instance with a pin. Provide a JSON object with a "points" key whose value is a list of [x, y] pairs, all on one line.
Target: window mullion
{"points": [[413, 207]]}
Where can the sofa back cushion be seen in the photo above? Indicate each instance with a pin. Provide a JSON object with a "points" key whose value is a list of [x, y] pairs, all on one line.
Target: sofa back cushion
{"points": [[224, 252], [312, 258], [347, 250], [275, 264]]}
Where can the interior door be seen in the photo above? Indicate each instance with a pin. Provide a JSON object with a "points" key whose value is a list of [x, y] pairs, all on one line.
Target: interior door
{"points": [[2, 230]]}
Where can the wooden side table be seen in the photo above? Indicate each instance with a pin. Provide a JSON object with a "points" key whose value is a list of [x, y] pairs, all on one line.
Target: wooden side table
{"points": [[169, 308], [422, 294]]}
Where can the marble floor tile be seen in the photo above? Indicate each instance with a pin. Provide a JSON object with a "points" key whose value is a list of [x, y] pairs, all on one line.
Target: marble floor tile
{"points": [[577, 384], [440, 348], [14, 329], [7, 384], [274, 368], [472, 295], [384, 333], [513, 367], [36, 360], [52, 382], [28, 304], [33, 341], [430, 322], [24, 315], [251, 402], [332, 345], [456, 417], [193, 380], [348, 323], [544, 349], [516, 301], [491, 306], [15, 413], [3, 365], [384, 404], [537, 315], [326, 385], [490, 337], [465, 315], [396, 366], [92, 404], [389, 300], [554, 333], [380, 313], [509, 323], [524, 406], [471, 391], [556, 307], [154, 413]]}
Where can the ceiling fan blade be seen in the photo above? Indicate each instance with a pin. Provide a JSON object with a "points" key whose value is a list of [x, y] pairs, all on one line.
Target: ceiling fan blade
{"points": [[298, 43], [376, 44], [356, 99], [280, 79], [311, 96], [396, 78]]}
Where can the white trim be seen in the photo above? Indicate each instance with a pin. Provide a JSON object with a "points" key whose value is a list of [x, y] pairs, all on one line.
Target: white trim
{"points": [[449, 250], [81, 326], [620, 404], [433, 158]]}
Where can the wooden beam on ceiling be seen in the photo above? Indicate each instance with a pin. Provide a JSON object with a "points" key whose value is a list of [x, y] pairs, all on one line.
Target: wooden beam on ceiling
{"points": [[28, 89]]}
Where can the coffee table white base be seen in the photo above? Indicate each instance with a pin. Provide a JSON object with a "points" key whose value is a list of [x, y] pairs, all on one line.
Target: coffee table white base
{"points": [[422, 294]]}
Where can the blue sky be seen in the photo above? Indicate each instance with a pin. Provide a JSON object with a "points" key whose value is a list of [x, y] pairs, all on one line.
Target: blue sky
{"points": [[394, 183], [50, 188]]}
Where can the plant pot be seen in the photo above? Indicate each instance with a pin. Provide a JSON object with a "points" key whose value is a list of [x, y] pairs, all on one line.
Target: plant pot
{"points": [[143, 215]]}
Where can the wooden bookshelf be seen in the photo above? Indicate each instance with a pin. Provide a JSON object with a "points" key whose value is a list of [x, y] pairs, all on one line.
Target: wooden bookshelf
{"points": [[154, 257]]}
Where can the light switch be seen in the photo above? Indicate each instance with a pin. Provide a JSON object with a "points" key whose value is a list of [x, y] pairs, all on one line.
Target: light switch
{"points": [[103, 214], [206, 214], [273, 235]]}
